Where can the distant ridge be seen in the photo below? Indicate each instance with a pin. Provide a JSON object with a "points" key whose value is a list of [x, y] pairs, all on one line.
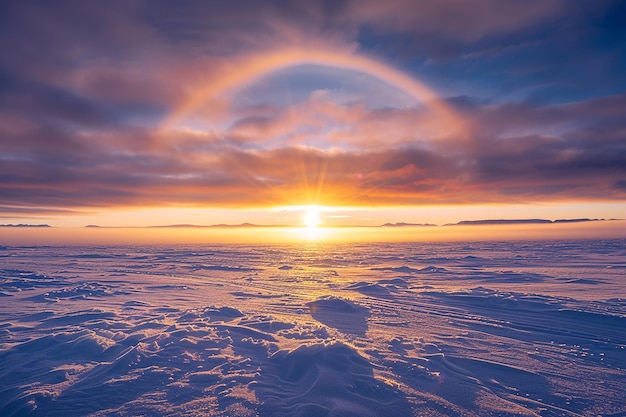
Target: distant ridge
{"points": [[500, 221], [518, 221], [484, 222], [576, 220], [25, 225]]}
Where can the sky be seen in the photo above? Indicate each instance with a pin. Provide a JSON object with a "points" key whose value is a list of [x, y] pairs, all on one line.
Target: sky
{"points": [[138, 113]]}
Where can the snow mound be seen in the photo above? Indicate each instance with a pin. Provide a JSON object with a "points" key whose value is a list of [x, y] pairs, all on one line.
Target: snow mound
{"points": [[341, 314], [326, 380], [374, 290]]}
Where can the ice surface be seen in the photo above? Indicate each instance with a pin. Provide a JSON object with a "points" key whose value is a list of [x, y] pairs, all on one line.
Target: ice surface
{"points": [[494, 328]]}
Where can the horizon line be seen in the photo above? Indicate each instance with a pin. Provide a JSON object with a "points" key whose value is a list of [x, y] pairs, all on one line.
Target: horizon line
{"points": [[481, 222]]}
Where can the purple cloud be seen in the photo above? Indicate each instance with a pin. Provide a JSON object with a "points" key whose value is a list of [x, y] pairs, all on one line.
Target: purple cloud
{"points": [[86, 89]]}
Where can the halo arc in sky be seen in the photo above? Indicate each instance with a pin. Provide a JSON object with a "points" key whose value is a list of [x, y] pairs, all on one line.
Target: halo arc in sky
{"points": [[250, 67]]}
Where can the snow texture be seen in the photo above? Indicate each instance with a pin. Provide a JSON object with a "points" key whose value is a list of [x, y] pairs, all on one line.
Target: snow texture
{"points": [[445, 329]]}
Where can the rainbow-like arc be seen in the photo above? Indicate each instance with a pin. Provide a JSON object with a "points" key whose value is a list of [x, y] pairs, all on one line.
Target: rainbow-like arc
{"points": [[246, 69], [310, 180]]}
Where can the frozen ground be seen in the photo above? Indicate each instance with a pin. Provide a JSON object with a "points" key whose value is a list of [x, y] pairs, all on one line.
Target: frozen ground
{"points": [[502, 329]]}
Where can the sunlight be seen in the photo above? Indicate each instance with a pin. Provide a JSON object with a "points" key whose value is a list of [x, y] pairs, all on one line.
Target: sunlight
{"points": [[311, 217]]}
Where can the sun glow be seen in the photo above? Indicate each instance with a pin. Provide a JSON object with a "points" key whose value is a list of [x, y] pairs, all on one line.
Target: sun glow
{"points": [[311, 220], [312, 217]]}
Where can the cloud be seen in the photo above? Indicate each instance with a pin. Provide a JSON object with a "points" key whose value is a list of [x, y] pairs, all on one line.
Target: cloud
{"points": [[458, 19], [87, 90], [198, 168]]}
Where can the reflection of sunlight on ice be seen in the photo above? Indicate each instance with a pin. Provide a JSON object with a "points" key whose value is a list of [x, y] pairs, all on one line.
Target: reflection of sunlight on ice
{"points": [[311, 232]]}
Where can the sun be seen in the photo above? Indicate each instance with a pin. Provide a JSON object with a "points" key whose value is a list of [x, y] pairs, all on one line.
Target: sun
{"points": [[311, 225], [311, 217]]}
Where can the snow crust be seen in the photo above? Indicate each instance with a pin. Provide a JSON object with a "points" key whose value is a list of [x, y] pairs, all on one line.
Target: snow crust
{"points": [[441, 329]]}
